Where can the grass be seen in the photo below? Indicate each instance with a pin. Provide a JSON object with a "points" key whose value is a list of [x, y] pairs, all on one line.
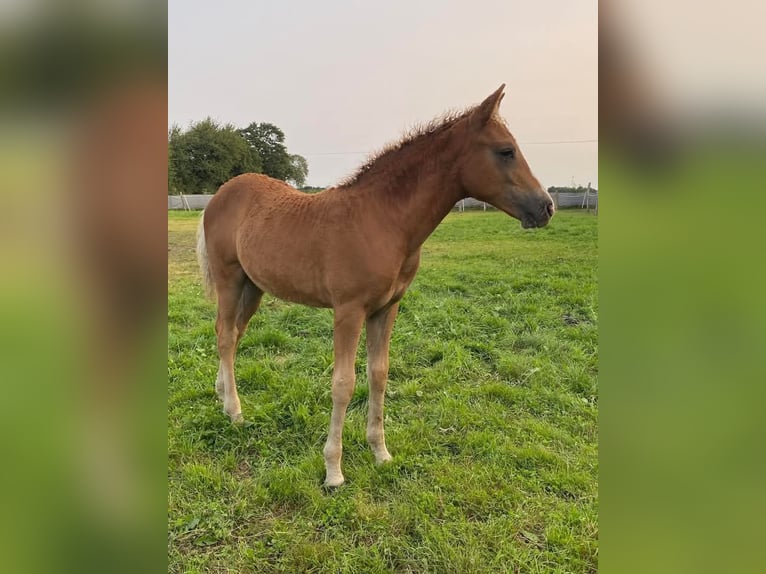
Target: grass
{"points": [[491, 416]]}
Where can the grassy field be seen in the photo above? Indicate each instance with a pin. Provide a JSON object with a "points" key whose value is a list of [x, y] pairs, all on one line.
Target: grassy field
{"points": [[491, 417]]}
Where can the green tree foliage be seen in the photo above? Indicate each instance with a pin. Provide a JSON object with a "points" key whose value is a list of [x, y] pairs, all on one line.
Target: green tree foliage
{"points": [[268, 141], [208, 154], [300, 170], [174, 187], [205, 156]]}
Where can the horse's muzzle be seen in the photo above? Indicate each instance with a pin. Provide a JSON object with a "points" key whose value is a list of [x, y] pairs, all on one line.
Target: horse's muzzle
{"points": [[540, 215]]}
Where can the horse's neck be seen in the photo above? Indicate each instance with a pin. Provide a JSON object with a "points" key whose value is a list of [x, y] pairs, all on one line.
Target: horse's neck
{"points": [[417, 210]]}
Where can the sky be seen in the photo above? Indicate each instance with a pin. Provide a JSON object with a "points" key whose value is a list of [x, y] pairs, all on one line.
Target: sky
{"points": [[343, 78]]}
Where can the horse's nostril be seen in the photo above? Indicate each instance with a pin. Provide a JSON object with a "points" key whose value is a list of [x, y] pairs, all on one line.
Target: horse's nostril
{"points": [[549, 208]]}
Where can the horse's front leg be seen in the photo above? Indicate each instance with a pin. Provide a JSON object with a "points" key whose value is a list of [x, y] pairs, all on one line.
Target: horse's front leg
{"points": [[379, 327], [348, 327]]}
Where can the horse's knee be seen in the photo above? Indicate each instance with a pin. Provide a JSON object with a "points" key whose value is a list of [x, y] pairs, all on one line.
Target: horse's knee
{"points": [[343, 388]]}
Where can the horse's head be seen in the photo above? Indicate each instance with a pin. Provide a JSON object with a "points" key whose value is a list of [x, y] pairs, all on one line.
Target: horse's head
{"points": [[494, 170]]}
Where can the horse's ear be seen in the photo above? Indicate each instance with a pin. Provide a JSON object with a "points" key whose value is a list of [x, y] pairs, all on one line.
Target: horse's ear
{"points": [[489, 107]]}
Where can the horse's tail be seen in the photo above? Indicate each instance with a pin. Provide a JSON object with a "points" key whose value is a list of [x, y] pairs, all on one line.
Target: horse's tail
{"points": [[204, 264]]}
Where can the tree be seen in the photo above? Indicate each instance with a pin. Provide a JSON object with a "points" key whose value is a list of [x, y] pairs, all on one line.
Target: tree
{"points": [[299, 170], [174, 187], [207, 155], [268, 141]]}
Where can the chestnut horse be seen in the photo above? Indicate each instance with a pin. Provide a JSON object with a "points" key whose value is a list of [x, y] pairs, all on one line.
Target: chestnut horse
{"points": [[356, 247]]}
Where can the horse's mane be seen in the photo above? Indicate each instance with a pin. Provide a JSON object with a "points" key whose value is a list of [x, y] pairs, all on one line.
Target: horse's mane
{"points": [[389, 159]]}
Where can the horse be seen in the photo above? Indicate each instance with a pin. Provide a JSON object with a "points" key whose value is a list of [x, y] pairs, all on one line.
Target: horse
{"points": [[355, 247]]}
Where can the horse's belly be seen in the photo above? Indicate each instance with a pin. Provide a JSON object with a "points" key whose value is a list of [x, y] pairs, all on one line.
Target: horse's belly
{"points": [[304, 273], [289, 289]]}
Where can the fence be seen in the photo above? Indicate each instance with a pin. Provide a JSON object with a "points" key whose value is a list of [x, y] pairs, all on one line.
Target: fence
{"points": [[188, 202], [562, 200], [471, 203], [588, 200]]}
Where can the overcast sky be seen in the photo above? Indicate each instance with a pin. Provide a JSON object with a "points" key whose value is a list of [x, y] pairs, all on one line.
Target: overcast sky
{"points": [[343, 78]]}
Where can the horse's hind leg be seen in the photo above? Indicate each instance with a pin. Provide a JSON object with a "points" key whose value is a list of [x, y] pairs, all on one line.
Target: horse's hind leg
{"points": [[230, 286], [249, 301]]}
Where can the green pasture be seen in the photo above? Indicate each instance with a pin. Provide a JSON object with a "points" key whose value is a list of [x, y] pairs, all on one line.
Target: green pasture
{"points": [[491, 417]]}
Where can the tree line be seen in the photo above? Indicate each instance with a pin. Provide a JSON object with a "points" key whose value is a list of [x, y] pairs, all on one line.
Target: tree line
{"points": [[208, 154]]}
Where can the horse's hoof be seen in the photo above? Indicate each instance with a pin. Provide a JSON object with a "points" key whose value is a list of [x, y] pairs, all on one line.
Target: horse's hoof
{"points": [[333, 484], [382, 456], [237, 419]]}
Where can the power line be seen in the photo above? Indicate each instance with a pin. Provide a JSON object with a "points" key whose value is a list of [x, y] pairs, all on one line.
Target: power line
{"points": [[560, 142], [553, 142]]}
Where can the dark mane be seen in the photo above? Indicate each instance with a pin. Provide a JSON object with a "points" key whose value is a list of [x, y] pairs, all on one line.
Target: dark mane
{"points": [[389, 159]]}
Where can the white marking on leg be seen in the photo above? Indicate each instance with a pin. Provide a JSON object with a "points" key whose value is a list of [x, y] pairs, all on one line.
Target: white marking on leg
{"points": [[219, 386], [231, 404], [342, 389]]}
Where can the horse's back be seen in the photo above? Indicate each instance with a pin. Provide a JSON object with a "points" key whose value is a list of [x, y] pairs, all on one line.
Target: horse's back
{"points": [[242, 201], [236, 197]]}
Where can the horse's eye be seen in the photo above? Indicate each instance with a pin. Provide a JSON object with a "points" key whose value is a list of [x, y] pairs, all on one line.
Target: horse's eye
{"points": [[507, 153]]}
